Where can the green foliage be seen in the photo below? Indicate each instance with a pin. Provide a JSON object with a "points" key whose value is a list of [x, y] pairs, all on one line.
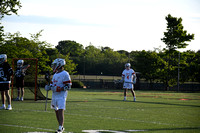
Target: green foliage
{"points": [[77, 84], [71, 48], [7, 7], [150, 65], [174, 38]]}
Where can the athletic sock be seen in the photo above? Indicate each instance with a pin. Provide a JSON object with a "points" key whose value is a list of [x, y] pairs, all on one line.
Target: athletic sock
{"points": [[60, 127], [124, 98], [3, 105]]}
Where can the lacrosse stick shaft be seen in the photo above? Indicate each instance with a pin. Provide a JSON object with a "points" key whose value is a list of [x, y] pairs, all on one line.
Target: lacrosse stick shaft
{"points": [[129, 82], [46, 101]]}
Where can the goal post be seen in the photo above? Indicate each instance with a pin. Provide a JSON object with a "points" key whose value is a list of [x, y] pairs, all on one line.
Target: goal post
{"points": [[31, 88]]}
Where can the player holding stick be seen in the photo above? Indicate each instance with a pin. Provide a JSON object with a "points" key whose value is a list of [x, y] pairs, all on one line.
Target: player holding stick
{"points": [[129, 78], [60, 84], [19, 76], [5, 73]]}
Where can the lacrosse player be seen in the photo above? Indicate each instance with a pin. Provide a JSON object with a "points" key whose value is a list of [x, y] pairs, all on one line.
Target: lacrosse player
{"points": [[129, 78], [60, 84], [5, 73], [19, 76]]}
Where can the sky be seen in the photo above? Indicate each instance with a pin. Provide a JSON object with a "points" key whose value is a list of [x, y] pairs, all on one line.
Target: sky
{"points": [[119, 24]]}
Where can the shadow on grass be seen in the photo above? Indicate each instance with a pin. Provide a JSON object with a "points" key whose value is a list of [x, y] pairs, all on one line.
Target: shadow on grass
{"points": [[143, 130], [159, 103], [167, 129], [168, 104]]}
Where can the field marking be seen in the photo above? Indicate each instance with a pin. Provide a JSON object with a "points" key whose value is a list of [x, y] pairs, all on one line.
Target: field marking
{"points": [[111, 131], [99, 131], [38, 128], [8, 125]]}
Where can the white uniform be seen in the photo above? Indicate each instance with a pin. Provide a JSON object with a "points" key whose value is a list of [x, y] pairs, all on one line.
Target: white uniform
{"points": [[59, 98], [128, 77]]}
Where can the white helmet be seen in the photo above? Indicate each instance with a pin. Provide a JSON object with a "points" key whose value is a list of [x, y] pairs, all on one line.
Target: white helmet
{"points": [[3, 58], [57, 64], [20, 63], [127, 65]]}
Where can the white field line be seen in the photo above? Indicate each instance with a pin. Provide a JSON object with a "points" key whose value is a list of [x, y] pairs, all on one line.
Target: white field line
{"points": [[99, 131], [111, 131], [27, 127], [101, 117]]}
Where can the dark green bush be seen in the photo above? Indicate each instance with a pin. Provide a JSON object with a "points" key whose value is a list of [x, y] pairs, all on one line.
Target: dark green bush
{"points": [[77, 84]]}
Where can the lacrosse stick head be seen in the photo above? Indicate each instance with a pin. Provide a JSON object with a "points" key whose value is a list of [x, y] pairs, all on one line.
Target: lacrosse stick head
{"points": [[3, 58]]}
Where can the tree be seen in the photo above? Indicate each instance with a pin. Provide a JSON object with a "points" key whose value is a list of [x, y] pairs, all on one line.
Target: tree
{"points": [[16, 46], [150, 65], [7, 7], [71, 48], [174, 38]]}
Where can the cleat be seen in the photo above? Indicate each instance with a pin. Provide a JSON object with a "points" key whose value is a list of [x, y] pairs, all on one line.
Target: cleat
{"points": [[3, 107], [9, 108], [17, 99], [60, 130], [134, 100], [21, 99]]}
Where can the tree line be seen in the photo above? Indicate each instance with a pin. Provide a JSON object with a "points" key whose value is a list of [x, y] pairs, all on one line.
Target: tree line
{"points": [[159, 65]]}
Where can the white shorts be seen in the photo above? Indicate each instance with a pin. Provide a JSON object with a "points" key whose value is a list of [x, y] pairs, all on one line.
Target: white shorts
{"points": [[58, 103], [128, 86]]}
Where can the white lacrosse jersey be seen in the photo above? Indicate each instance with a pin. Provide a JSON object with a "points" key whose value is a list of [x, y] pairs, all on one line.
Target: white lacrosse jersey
{"points": [[60, 80], [128, 75]]}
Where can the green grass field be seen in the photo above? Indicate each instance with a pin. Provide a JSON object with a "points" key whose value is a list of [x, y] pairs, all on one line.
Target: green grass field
{"points": [[106, 111]]}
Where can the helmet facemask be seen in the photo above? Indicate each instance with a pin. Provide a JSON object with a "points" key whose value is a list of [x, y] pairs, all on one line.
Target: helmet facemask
{"points": [[127, 65], [20, 63], [57, 64]]}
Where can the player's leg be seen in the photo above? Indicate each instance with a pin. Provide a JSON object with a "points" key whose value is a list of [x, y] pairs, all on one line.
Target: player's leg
{"points": [[22, 90], [22, 94], [133, 93], [125, 93], [57, 116], [61, 103], [3, 100], [8, 99], [18, 94], [60, 119]]}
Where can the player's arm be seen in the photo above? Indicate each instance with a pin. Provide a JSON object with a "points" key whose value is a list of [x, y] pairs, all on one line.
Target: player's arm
{"points": [[67, 85], [134, 78], [123, 77]]}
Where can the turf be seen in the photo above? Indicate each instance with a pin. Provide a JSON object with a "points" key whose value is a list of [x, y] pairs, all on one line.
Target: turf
{"points": [[105, 110]]}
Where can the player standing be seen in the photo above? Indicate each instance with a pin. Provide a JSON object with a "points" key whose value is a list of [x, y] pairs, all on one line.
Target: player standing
{"points": [[5, 73], [60, 84], [19, 76], [129, 78]]}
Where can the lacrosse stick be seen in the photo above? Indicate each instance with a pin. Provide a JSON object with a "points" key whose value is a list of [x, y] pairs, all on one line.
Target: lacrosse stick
{"points": [[130, 82], [47, 77], [117, 81]]}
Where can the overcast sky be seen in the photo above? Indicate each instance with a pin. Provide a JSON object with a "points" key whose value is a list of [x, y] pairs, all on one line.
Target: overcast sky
{"points": [[119, 24]]}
